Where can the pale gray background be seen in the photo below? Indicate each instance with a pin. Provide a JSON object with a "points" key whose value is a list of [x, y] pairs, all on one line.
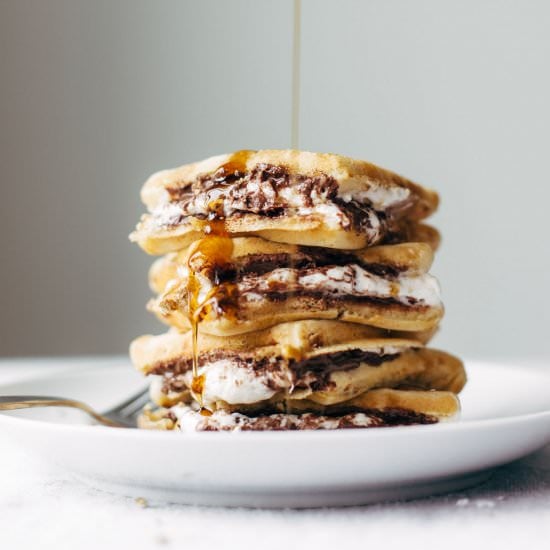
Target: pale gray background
{"points": [[96, 95]]}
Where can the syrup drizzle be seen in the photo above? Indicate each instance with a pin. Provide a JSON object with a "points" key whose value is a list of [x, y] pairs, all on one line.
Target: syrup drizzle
{"points": [[295, 134], [236, 163], [214, 249], [296, 43]]}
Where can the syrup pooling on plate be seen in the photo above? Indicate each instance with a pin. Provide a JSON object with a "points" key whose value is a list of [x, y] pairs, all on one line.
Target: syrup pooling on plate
{"points": [[214, 249]]}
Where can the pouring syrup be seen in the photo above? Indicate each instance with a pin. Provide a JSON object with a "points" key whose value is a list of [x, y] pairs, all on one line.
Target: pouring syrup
{"points": [[205, 255], [216, 247]]}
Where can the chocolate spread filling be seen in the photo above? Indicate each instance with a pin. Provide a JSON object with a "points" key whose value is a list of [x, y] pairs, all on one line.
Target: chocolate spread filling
{"points": [[258, 192], [261, 198], [313, 372], [281, 294], [250, 287], [340, 360], [378, 418], [306, 258]]}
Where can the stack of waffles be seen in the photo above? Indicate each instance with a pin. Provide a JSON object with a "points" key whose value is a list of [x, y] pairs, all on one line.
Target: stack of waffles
{"points": [[297, 293]]}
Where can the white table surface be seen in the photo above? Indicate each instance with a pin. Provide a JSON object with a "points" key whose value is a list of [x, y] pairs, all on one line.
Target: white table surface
{"points": [[42, 507]]}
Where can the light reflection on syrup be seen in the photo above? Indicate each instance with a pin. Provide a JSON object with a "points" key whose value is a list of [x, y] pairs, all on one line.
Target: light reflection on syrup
{"points": [[295, 129], [296, 43], [237, 162], [216, 247], [204, 255]]}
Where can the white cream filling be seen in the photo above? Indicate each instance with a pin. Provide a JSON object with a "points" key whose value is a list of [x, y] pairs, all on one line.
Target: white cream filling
{"points": [[166, 215], [332, 215], [379, 196], [229, 381], [298, 200], [189, 420], [349, 280], [170, 214]]}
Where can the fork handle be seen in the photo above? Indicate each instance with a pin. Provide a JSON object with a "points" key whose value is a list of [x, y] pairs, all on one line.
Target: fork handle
{"points": [[14, 402]]}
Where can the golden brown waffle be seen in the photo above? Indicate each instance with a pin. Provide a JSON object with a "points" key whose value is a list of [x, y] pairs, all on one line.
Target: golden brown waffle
{"points": [[294, 339], [294, 362], [262, 283], [375, 408], [284, 196], [306, 276], [414, 258]]}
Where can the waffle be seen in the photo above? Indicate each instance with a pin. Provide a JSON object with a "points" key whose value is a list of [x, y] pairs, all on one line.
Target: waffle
{"points": [[297, 290], [301, 360], [259, 284], [284, 196], [372, 409]]}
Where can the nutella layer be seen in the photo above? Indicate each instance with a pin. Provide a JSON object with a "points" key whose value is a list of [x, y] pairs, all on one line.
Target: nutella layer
{"points": [[272, 191], [241, 378], [373, 408], [249, 291], [304, 257], [283, 196], [334, 283], [330, 284], [325, 362], [231, 379], [188, 420]]}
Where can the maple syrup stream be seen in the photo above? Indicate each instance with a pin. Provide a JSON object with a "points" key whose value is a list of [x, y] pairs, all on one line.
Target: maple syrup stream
{"points": [[205, 256], [216, 247]]}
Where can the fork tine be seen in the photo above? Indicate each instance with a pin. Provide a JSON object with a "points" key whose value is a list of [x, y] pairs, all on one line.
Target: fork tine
{"points": [[136, 397], [137, 405]]}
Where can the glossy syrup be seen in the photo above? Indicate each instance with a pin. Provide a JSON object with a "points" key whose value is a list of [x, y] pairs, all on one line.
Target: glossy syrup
{"points": [[216, 247], [237, 162], [291, 352], [296, 43], [213, 250]]}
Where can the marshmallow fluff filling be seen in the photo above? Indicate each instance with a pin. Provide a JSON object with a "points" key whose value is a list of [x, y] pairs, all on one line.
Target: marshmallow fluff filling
{"points": [[189, 420], [351, 281], [271, 191], [172, 214], [229, 379], [340, 281]]}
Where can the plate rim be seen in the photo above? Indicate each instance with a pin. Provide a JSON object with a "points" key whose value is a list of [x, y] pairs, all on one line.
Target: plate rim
{"points": [[383, 432]]}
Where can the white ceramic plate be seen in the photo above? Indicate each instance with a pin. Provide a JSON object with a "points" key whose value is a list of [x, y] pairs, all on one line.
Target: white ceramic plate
{"points": [[506, 415]]}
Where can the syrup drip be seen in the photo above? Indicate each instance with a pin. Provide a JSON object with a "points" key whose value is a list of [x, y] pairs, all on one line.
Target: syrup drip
{"points": [[236, 163], [296, 43], [214, 249], [295, 128]]}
